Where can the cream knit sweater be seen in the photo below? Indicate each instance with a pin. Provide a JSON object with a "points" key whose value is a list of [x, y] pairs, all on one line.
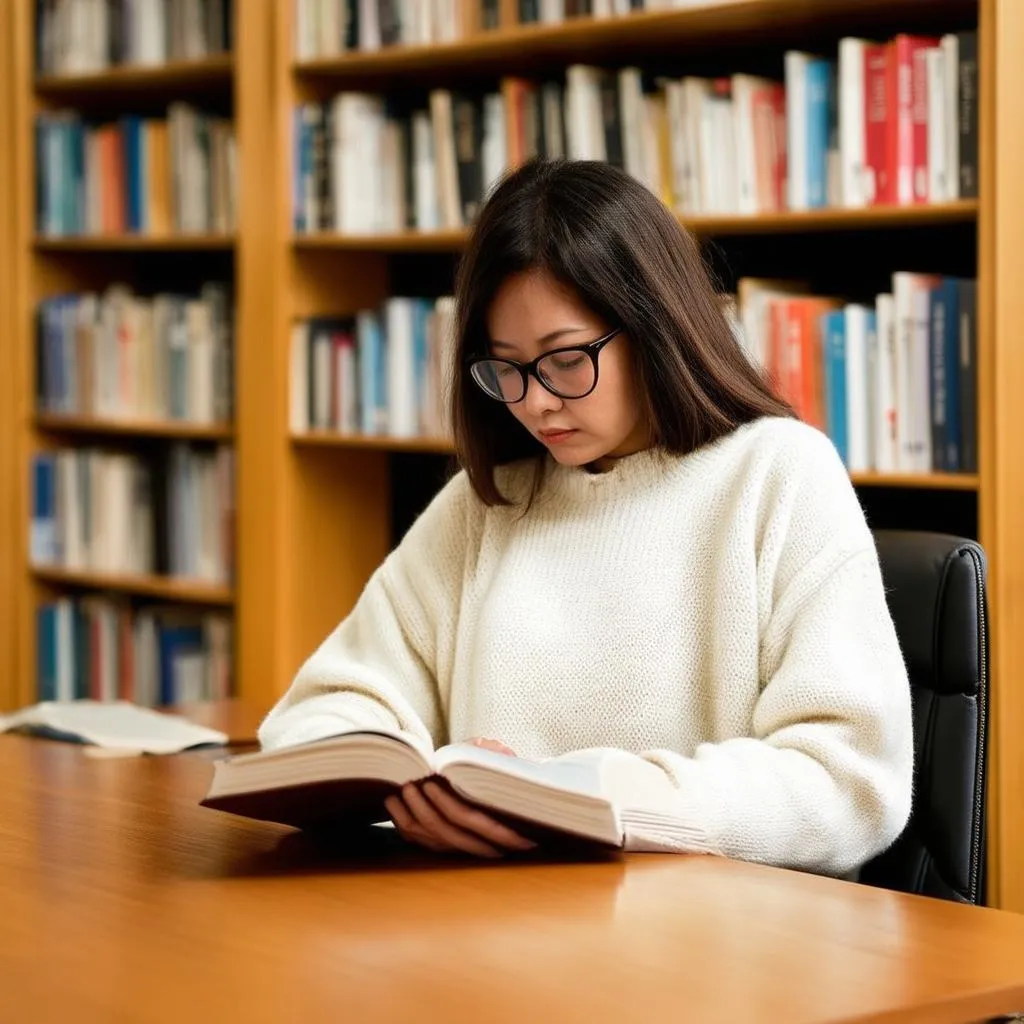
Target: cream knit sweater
{"points": [[719, 615]]}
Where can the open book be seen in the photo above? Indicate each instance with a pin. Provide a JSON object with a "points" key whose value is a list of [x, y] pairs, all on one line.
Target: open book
{"points": [[344, 780]]}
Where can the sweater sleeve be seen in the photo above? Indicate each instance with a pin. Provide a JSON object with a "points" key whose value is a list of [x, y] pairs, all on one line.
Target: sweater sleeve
{"points": [[379, 668], [824, 781]]}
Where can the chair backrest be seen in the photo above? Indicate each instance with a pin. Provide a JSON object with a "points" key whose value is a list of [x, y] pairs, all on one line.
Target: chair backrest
{"points": [[935, 586]]}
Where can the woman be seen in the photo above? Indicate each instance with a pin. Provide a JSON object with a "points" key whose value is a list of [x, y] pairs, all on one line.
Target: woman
{"points": [[645, 551]]}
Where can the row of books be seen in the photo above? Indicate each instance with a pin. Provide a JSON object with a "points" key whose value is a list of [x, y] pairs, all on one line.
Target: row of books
{"points": [[136, 175], [893, 383], [380, 372], [171, 513], [122, 356], [325, 27], [80, 36], [105, 649], [741, 145]]}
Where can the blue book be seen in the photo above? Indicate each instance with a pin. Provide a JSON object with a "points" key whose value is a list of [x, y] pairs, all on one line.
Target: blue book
{"points": [[951, 302], [421, 353], [76, 185], [368, 346], [46, 652], [820, 108], [173, 642], [131, 139], [42, 545], [833, 332]]}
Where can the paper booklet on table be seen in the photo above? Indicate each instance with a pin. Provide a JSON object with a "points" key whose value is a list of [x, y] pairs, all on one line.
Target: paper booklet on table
{"points": [[344, 780], [112, 725]]}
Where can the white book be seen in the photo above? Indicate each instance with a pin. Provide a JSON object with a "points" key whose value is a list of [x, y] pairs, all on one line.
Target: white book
{"points": [[305, 38], [631, 100], [589, 794], [886, 433], [743, 89], [852, 122], [299, 420], [400, 326], [494, 150], [425, 193], [796, 129], [584, 121], [347, 396], [938, 174], [321, 380], [951, 116], [118, 725], [65, 650], [369, 25], [552, 11], [107, 631], [857, 412], [446, 170]]}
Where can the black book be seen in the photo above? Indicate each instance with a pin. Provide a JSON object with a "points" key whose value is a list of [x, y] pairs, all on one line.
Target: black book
{"points": [[490, 14], [390, 21], [611, 119], [468, 121], [967, 104], [968, 291], [350, 25], [529, 11]]}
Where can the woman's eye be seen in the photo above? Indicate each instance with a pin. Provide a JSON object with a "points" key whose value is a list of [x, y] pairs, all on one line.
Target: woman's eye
{"points": [[568, 362], [507, 371]]}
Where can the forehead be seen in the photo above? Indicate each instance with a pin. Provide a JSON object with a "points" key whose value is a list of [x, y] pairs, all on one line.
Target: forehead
{"points": [[532, 304]]}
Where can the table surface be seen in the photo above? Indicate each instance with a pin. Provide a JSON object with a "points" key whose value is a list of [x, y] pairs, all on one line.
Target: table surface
{"points": [[122, 900]]}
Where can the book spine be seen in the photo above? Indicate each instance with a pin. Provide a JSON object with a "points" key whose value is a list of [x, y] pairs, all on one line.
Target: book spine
{"points": [[967, 106], [968, 342], [939, 378]]}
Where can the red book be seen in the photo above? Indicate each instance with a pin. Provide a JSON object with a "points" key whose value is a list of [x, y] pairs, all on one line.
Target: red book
{"points": [[878, 113], [911, 147]]}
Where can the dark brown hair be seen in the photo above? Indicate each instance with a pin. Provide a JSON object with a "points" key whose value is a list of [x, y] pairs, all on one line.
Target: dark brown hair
{"points": [[608, 238]]}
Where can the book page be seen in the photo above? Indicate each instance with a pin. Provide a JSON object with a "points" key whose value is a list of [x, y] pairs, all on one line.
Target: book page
{"points": [[113, 725], [573, 773]]}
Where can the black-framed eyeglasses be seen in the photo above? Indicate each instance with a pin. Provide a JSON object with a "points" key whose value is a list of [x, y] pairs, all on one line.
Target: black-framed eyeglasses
{"points": [[566, 372]]}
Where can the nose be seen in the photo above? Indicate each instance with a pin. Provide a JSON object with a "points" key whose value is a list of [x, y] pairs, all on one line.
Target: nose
{"points": [[538, 399]]}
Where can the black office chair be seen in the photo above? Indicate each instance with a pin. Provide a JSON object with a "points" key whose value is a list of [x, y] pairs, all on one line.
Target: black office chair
{"points": [[935, 587]]}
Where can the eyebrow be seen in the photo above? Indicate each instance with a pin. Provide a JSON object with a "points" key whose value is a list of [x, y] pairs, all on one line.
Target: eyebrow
{"points": [[546, 340]]}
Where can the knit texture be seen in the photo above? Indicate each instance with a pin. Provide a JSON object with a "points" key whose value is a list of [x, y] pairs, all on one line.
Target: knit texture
{"points": [[720, 615]]}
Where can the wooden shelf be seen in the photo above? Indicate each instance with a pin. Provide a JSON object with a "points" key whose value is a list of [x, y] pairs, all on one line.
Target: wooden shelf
{"points": [[58, 424], [925, 481], [722, 22], [405, 241], [134, 243], [174, 78], [788, 222], [162, 588], [327, 439]]}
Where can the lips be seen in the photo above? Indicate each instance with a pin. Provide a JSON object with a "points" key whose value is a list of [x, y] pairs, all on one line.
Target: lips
{"points": [[555, 436]]}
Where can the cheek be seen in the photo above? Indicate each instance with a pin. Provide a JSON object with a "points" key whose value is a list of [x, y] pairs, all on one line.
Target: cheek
{"points": [[613, 403]]}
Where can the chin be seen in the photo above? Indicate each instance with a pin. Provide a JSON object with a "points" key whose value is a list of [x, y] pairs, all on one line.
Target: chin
{"points": [[575, 456]]}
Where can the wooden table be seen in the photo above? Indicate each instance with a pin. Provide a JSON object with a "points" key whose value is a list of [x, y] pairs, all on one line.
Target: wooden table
{"points": [[123, 901]]}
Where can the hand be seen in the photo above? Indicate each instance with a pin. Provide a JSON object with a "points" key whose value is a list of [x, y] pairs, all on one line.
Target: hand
{"points": [[430, 815]]}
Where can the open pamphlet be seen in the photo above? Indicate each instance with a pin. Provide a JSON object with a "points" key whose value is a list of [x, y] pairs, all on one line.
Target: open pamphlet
{"points": [[593, 795], [112, 725]]}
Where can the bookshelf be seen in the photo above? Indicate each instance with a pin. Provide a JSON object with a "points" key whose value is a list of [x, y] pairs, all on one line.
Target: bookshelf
{"points": [[317, 510], [150, 256]]}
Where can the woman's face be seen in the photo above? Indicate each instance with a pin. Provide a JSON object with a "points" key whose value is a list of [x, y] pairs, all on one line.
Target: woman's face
{"points": [[533, 314]]}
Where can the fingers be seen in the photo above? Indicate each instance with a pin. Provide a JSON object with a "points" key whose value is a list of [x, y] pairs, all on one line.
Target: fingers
{"points": [[474, 821], [438, 828], [496, 745], [408, 827]]}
